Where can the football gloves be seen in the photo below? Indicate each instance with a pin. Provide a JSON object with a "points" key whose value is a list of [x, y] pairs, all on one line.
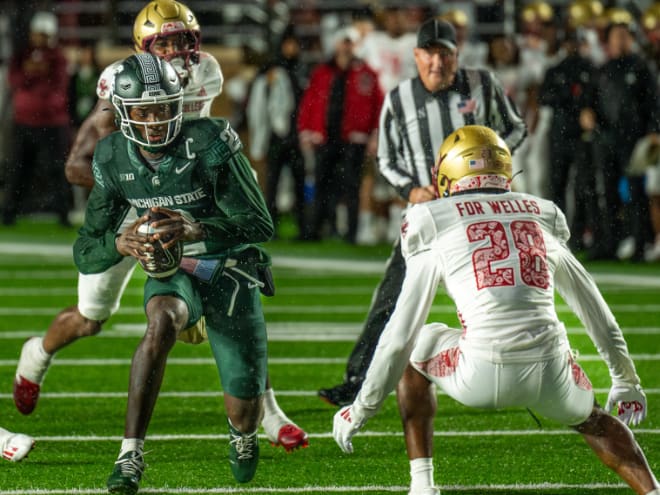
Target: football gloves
{"points": [[347, 422], [630, 402]]}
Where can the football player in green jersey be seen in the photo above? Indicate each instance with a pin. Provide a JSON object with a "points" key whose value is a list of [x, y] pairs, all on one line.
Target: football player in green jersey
{"points": [[169, 30], [195, 173]]}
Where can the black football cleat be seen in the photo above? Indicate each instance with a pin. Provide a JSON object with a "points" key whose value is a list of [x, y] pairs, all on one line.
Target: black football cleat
{"points": [[340, 395], [126, 475]]}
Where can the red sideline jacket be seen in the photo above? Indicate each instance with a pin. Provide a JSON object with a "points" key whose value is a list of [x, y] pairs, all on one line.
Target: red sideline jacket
{"points": [[39, 82], [362, 101]]}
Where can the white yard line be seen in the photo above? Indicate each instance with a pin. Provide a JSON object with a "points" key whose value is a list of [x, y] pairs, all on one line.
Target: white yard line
{"points": [[312, 331], [310, 264], [518, 487], [206, 394], [307, 361], [328, 435], [359, 309]]}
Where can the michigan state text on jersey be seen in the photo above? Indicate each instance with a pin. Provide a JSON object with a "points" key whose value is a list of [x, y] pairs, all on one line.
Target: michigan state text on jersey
{"points": [[202, 168]]}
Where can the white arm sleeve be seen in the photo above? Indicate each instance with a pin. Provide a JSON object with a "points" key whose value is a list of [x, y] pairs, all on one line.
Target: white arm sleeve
{"points": [[398, 339], [579, 291]]}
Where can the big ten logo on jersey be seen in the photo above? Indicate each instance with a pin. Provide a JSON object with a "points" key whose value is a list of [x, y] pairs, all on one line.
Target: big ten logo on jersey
{"points": [[230, 137]]}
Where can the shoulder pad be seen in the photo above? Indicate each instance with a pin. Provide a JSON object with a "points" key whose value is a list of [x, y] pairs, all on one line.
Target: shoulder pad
{"points": [[417, 230], [214, 138], [105, 152], [554, 218], [561, 225], [105, 148], [103, 85], [210, 74]]}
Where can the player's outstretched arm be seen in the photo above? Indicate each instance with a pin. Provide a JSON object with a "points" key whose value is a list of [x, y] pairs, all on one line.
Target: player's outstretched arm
{"points": [[579, 291], [99, 123]]}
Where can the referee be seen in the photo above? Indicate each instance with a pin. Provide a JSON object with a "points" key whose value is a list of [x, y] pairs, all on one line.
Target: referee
{"points": [[416, 117]]}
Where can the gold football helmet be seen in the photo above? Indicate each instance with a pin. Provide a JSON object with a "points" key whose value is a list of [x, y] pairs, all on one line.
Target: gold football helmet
{"points": [[472, 157], [162, 18], [537, 11], [618, 16], [651, 18], [456, 17], [583, 12]]}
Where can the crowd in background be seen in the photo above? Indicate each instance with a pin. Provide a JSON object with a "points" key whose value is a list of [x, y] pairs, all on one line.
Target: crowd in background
{"points": [[583, 74]]}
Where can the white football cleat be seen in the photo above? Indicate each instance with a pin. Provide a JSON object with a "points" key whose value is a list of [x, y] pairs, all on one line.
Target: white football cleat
{"points": [[16, 446], [282, 432]]}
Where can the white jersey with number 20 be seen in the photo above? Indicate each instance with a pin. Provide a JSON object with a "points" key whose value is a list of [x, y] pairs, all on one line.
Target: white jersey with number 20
{"points": [[500, 258]]}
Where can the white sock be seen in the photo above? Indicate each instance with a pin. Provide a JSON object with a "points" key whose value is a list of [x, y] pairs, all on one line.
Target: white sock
{"points": [[654, 492], [274, 417], [129, 444], [272, 408], [421, 474], [40, 349], [34, 360]]}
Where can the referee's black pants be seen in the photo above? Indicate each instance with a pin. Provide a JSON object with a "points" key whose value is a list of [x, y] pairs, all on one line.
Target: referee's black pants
{"points": [[382, 307]]}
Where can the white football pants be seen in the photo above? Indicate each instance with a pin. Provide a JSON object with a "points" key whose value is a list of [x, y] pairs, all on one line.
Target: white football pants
{"points": [[556, 388]]}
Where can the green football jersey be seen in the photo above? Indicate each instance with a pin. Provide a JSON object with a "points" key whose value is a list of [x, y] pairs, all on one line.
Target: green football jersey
{"points": [[204, 173]]}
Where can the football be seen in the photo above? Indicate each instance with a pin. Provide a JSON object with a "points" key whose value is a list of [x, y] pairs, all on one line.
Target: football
{"points": [[162, 262]]}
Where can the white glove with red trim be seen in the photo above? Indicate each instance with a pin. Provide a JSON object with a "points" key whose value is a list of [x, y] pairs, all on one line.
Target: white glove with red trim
{"points": [[630, 401], [347, 423]]}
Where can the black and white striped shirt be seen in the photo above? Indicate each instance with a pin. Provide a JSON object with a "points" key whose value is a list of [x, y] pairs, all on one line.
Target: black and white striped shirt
{"points": [[414, 122]]}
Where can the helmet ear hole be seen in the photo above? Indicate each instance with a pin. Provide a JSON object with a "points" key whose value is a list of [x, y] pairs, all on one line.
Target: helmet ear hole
{"points": [[444, 184]]}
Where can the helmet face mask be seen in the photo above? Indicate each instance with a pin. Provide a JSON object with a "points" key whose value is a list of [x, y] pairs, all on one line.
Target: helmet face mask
{"points": [[148, 101], [169, 30], [472, 157]]}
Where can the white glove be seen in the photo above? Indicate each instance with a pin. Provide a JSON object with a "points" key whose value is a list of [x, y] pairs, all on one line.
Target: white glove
{"points": [[630, 401], [347, 423]]}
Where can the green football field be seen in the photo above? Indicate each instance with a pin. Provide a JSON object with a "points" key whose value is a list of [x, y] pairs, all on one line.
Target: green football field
{"points": [[323, 292]]}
